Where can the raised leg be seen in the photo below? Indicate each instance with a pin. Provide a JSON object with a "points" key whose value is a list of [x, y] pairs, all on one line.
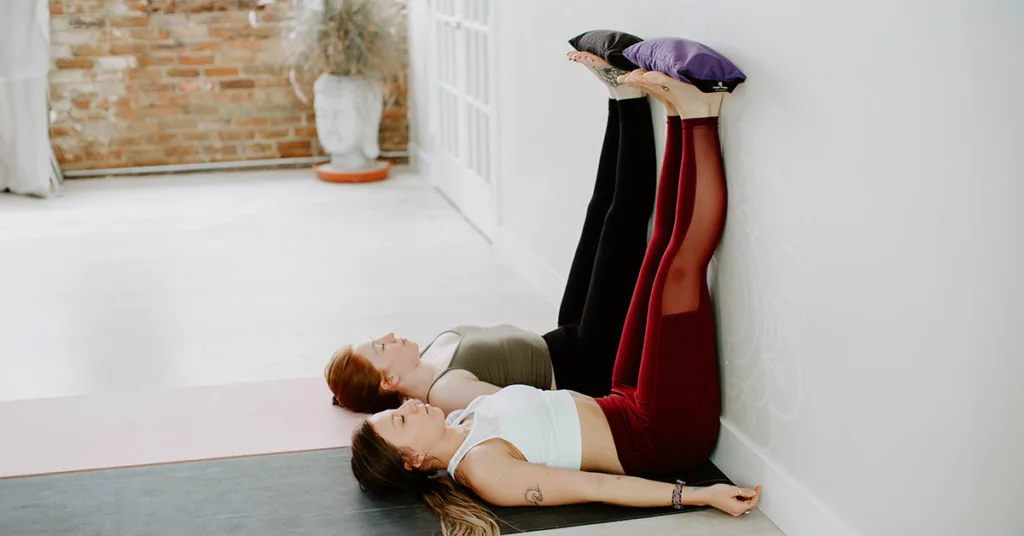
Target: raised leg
{"points": [[677, 390], [612, 244], [574, 296], [622, 248], [627, 361]]}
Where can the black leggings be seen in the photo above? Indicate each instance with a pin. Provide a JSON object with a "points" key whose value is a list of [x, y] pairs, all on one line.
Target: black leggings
{"points": [[610, 253]]}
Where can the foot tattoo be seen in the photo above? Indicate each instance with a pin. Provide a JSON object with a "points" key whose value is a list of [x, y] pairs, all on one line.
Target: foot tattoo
{"points": [[607, 74]]}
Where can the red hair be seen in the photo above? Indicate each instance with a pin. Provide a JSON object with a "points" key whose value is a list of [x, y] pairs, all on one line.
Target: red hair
{"points": [[356, 383]]}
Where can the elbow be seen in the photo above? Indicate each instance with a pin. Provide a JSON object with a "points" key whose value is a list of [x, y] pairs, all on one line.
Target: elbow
{"points": [[535, 496], [500, 499], [504, 501]]}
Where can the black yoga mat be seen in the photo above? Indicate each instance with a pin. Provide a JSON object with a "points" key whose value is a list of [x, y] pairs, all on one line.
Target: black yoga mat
{"points": [[304, 493]]}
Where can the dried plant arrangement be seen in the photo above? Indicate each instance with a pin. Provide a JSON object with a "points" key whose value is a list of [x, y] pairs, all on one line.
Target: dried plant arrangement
{"points": [[352, 38]]}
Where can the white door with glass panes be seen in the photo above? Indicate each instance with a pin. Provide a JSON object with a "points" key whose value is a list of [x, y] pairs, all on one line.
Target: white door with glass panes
{"points": [[462, 115]]}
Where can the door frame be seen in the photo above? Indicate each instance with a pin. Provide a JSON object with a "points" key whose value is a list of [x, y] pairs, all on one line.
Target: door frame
{"points": [[441, 168]]}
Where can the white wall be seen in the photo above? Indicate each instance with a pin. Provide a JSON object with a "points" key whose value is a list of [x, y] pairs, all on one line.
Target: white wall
{"points": [[419, 78], [868, 291]]}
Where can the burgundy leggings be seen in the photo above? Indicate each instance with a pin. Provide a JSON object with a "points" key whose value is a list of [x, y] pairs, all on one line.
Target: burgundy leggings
{"points": [[665, 402]]}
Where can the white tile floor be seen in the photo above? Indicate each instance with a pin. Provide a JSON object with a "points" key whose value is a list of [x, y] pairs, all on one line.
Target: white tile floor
{"points": [[135, 284], [201, 279]]}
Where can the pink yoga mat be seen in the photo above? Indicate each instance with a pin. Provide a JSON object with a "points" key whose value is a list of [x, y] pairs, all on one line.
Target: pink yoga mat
{"points": [[192, 423]]}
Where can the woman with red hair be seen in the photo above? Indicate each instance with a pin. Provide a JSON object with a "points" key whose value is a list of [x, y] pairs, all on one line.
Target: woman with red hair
{"points": [[468, 361], [523, 446]]}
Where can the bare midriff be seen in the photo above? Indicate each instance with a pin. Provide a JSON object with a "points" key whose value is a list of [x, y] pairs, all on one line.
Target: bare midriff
{"points": [[599, 453]]}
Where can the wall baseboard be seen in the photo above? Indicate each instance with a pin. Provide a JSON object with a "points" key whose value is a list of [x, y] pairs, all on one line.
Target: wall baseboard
{"points": [[787, 503], [526, 262]]}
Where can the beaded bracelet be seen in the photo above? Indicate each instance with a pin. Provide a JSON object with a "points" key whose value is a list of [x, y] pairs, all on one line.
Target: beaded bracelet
{"points": [[677, 495]]}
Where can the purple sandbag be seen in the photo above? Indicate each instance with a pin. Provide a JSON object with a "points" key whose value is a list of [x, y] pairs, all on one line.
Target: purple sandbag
{"points": [[687, 61]]}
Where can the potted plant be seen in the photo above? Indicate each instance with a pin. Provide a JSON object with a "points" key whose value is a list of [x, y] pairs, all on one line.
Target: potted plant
{"points": [[356, 50]]}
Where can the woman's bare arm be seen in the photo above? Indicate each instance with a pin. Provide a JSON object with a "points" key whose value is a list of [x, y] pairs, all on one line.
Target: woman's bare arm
{"points": [[500, 479]]}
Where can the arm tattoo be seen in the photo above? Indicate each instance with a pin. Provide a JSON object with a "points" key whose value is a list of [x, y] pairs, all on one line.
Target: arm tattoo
{"points": [[610, 75], [533, 496]]}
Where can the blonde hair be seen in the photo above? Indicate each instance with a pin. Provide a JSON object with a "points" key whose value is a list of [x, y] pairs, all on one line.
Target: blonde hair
{"points": [[379, 467]]}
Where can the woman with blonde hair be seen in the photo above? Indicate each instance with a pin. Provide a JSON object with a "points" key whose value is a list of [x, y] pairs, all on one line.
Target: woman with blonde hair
{"points": [[523, 446]]}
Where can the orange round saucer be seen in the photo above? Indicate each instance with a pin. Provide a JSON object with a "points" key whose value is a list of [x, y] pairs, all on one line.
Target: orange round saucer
{"points": [[378, 173]]}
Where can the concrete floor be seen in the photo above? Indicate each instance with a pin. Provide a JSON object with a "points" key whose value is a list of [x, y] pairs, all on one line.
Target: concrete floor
{"points": [[130, 286]]}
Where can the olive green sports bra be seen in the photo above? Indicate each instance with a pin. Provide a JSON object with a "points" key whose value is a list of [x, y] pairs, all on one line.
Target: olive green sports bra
{"points": [[500, 355]]}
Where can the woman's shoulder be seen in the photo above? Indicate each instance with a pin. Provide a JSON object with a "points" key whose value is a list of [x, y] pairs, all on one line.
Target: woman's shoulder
{"points": [[484, 456]]}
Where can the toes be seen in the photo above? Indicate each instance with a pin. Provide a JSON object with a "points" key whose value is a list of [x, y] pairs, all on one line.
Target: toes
{"points": [[585, 58], [593, 60]]}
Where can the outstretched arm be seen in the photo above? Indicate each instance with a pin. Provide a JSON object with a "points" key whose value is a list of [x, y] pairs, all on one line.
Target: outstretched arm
{"points": [[503, 480]]}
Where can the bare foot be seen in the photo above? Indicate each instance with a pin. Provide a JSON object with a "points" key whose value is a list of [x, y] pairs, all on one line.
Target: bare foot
{"points": [[607, 74], [688, 100], [636, 79]]}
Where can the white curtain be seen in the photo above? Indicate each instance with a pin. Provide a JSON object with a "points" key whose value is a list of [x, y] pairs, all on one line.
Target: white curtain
{"points": [[27, 163]]}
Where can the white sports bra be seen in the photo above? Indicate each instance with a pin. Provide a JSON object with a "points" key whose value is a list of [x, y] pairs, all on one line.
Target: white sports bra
{"points": [[543, 425]]}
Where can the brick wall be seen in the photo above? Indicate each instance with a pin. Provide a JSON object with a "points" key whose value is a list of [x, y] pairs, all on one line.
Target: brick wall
{"points": [[142, 83]]}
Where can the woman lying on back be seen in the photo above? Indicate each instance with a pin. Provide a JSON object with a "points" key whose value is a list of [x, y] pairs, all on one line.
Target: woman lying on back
{"points": [[523, 446]]}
